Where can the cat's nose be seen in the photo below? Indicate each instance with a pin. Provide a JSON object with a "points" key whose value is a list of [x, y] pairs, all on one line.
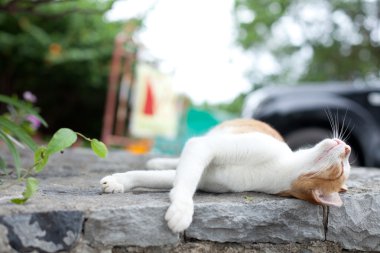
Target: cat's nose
{"points": [[347, 150]]}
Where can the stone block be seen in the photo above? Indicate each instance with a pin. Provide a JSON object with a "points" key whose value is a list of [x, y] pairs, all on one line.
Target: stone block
{"points": [[356, 225], [265, 219], [43, 232], [4, 243], [135, 225]]}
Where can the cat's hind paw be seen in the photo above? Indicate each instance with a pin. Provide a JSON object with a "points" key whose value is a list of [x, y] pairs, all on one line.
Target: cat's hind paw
{"points": [[180, 215], [109, 184]]}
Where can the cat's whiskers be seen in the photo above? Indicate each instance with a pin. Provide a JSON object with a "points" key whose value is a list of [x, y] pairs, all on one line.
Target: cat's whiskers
{"points": [[341, 132], [345, 135], [345, 129], [332, 123]]}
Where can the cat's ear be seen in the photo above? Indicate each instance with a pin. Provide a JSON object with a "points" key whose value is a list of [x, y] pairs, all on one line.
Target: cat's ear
{"points": [[330, 199]]}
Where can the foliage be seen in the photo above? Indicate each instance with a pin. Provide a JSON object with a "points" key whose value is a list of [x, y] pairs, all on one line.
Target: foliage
{"points": [[61, 140], [17, 122], [56, 8], [23, 113], [60, 50], [310, 40], [30, 189], [233, 108]]}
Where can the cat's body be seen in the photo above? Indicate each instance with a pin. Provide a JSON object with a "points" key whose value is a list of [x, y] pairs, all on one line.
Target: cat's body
{"points": [[241, 155]]}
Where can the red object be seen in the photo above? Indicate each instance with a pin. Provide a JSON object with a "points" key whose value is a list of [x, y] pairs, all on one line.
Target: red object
{"points": [[149, 99]]}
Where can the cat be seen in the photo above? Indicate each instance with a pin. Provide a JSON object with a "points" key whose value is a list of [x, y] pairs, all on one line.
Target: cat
{"points": [[236, 156]]}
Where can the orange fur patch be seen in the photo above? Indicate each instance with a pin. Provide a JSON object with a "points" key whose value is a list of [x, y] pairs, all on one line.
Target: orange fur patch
{"points": [[327, 181], [240, 126]]}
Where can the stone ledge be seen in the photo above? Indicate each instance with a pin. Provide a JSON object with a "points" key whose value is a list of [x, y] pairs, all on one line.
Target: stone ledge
{"points": [[265, 219], [69, 214]]}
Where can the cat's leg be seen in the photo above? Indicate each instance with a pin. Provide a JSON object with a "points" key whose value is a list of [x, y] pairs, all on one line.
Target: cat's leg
{"points": [[195, 157], [122, 182], [162, 164]]}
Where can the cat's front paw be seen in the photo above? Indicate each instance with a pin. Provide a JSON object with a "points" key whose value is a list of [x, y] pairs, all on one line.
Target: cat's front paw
{"points": [[109, 184], [180, 215]]}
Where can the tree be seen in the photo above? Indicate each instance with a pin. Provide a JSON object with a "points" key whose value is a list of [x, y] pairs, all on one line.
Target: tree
{"points": [[60, 50], [44, 7], [306, 40]]}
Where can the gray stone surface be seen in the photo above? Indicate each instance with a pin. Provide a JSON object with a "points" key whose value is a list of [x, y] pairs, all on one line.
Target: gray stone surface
{"points": [[136, 225], [44, 232], [264, 219], [356, 225], [4, 242], [70, 185], [84, 247], [202, 246]]}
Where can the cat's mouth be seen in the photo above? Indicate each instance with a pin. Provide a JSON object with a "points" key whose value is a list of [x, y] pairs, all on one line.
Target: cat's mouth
{"points": [[347, 148], [327, 151], [336, 145]]}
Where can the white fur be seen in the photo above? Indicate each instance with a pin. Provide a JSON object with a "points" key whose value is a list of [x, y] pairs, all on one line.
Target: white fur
{"points": [[225, 163], [162, 164]]}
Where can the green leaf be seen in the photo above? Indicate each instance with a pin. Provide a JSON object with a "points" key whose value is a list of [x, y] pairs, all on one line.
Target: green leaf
{"points": [[40, 159], [248, 199], [31, 188], [62, 139], [3, 165], [18, 201], [14, 152], [22, 105], [20, 133], [99, 148], [36, 32]]}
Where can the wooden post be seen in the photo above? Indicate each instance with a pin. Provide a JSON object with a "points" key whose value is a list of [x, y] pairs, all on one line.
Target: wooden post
{"points": [[119, 89]]}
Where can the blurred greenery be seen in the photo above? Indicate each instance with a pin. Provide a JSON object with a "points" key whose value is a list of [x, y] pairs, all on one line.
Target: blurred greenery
{"points": [[60, 50], [232, 108], [310, 40]]}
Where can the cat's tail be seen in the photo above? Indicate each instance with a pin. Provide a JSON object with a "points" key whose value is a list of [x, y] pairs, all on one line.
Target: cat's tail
{"points": [[162, 164]]}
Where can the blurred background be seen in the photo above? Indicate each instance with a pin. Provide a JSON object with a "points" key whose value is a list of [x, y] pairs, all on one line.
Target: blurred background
{"points": [[146, 75]]}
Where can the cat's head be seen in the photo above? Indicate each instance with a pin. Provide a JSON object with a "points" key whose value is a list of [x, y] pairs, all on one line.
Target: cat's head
{"points": [[324, 174]]}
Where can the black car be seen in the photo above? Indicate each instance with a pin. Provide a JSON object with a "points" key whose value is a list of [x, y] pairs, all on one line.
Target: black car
{"points": [[301, 114]]}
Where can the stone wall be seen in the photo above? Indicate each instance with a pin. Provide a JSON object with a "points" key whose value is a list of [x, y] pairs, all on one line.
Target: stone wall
{"points": [[69, 214]]}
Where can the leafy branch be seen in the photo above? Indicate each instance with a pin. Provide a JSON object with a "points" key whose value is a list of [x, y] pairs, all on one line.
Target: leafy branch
{"points": [[62, 139], [34, 7]]}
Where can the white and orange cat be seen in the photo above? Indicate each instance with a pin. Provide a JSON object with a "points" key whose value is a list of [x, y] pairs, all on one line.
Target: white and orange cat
{"points": [[236, 156]]}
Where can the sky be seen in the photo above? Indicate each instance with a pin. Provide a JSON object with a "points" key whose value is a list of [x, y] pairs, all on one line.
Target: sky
{"points": [[194, 42]]}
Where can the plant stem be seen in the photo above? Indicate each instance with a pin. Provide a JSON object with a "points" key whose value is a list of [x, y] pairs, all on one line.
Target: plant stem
{"points": [[22, 178], [84, 137], [29, 170]]}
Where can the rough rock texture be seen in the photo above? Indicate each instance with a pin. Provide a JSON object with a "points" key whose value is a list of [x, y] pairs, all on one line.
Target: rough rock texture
{"points": [[44, 232], [4, 242], [84, 246], [69, 214], [356, 225], [264, 219], [138, 225], [195, 247]]}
